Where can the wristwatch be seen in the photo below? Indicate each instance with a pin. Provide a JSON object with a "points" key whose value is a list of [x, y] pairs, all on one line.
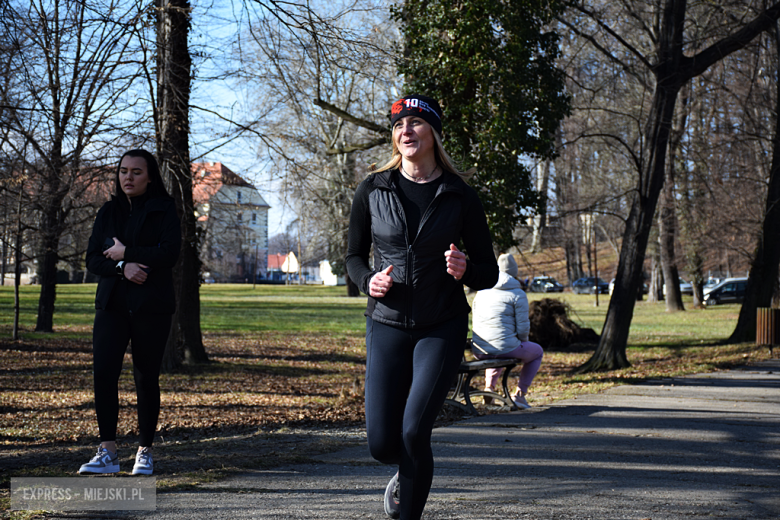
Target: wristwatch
{"points": [[120, 268]]}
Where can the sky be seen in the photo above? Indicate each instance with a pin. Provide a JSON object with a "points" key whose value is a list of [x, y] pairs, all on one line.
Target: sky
{"points": [[215, 27], [211, 43]]}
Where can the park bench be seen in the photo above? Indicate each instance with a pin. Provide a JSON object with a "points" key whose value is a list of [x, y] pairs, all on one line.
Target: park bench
{"points": [[462, 393]]}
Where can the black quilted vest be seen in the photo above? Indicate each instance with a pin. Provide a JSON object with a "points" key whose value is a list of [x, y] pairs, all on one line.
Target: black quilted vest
{"points": [[423, 293]]}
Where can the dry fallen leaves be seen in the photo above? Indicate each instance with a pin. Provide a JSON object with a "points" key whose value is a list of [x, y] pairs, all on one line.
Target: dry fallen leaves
{"points": [[253, 381]]}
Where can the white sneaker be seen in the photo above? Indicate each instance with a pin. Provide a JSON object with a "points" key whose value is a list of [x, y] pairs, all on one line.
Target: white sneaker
{"points": [[520, 401], [103, 462], [144, 465], [392, 506]]}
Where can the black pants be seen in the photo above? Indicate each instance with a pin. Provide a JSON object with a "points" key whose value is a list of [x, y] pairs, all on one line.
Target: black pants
{"points": [[111, 334], [408, 375]]}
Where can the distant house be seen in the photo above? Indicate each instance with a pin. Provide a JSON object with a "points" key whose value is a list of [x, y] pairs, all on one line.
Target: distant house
{"points": [[327, 276], [274, 266], [282, 267], [233, 218]]}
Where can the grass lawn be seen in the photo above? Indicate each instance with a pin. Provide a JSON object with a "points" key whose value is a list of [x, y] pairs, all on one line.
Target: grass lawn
{"points": [[652, 325], [229, 307], [287, 362], [296, 309]]}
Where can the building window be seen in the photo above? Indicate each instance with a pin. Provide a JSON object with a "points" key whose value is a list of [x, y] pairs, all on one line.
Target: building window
{"points": [[254, 218], [238, 195], [240, 217]]}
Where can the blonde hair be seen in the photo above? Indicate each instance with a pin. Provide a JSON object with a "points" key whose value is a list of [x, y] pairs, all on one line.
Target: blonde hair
{"points": [[443, 159]]}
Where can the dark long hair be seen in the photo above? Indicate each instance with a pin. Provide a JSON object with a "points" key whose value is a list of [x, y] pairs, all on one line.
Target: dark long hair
{"points": [[156, 186]]}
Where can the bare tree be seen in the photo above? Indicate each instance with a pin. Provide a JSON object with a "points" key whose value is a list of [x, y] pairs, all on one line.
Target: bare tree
{"points": [[73, 85], [665, 68], [172, 125], [327, 80], [667, 219], [762, 282]]}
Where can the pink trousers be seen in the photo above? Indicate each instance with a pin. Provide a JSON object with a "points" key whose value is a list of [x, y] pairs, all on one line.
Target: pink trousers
{"points": [[531, 356]]}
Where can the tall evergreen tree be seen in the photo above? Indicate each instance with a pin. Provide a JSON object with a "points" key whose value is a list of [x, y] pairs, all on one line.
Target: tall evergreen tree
{"points": [[491, 64]]}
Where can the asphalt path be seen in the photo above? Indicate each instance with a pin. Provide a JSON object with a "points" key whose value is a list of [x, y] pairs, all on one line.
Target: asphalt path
{"points": [[704, 446]]}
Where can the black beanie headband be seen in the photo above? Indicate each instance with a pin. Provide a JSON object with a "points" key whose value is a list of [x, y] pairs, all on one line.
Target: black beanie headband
{"points": [[425, 108]]}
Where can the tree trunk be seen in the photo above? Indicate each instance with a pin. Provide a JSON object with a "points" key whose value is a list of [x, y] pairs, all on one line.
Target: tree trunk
{"points": [[4, 239], [762, 281], [568, 197], [655, 291], [540, 219], [667, 225], [51, 230], [173, 95], [573, 259], [698, 291], [49, 254], [611, 351], [18, 266]]}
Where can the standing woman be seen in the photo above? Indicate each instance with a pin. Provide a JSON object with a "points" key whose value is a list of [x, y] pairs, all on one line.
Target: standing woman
{"points": [[415, 210], [134, 245]]}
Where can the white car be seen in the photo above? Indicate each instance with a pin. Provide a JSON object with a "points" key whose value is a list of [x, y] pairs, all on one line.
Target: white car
{"points": [[711, 283], [28, 276], [645, 288], [685, 287]]}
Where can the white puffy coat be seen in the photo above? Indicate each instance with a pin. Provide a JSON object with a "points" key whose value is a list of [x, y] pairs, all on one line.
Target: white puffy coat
{"points": [[500, 319]]}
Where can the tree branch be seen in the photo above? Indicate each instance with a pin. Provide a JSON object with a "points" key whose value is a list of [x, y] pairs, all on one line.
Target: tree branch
{"points": [[352, 119], [357, 147], [607, 54], [734, 42], [596, 19]]}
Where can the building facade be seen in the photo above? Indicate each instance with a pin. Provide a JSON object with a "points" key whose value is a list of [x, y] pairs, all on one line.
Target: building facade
{"points": [[233, 222]]}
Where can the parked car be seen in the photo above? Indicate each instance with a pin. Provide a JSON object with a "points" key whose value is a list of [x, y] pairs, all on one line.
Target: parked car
{"points": [[588, 284], [730, 290], [685, 287], [711, 283], [545, 284], [29, 276], [645, 287]]}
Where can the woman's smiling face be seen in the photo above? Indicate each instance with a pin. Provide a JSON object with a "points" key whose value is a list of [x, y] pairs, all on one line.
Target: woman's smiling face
{"points": [[413, 137]]}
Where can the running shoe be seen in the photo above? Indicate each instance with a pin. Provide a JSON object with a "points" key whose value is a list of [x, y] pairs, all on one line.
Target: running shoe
{"points": [[103, 462], [520, 401], [143, 462], [392, 492]]}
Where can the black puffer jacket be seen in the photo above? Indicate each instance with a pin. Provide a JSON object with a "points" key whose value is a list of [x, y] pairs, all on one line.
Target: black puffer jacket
{"points": [[423, 293], [154, 240]]}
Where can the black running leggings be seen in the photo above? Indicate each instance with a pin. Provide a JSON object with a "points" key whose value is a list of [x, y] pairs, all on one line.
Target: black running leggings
{"points": [[408, 375], [111, 334]]}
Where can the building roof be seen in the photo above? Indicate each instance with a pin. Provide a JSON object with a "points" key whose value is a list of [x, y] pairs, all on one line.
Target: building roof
{"points": [[284, 263], [209, 177], [276, 261]]}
